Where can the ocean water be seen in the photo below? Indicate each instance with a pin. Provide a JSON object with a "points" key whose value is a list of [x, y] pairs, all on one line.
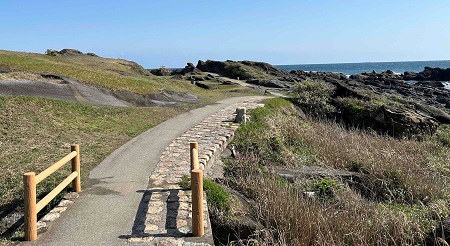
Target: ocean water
{"points": [[356, 68]]}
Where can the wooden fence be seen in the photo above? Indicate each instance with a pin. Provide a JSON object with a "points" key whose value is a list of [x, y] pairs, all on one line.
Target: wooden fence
{"points": [[30, 180]]}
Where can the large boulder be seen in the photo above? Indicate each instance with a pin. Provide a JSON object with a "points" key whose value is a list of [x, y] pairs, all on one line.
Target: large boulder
{"points": [[190, 68], [405, 122], [162, 71]]}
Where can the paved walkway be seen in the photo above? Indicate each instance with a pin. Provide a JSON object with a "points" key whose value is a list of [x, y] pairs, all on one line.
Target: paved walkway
{"points": [[121, 207]]}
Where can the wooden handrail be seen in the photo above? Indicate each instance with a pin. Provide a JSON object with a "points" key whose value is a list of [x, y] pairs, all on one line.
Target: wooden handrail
{"points": [[30, 180], [49, 197], [51, 169]]}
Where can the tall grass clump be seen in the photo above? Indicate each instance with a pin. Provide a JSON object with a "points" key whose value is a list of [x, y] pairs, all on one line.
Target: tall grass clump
{"points": [[399, 198]]}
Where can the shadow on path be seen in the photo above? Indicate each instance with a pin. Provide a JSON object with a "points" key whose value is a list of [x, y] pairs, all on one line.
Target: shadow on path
{"points": [[159, 214]]}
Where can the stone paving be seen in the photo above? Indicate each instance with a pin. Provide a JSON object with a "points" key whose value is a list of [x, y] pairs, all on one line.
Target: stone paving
{"points": [[165, 213]]}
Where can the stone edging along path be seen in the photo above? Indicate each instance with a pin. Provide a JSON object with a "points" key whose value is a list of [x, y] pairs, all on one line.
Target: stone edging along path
{"points": [[164, 216]]}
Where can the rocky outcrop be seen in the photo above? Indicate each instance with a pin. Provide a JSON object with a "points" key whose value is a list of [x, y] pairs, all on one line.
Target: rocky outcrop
{"points": [[189, 69], [244, 70], [70, 52], [91, 54], [405, 122], [162, 71], [435, 74], [212, 66]]}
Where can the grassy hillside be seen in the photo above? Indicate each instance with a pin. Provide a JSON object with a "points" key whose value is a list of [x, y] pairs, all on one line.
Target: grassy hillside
{"points": [[112, 74]]}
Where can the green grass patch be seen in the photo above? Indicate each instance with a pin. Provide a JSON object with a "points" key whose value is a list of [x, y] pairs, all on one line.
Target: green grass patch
{"points": [[37, 132], [217, 197]]}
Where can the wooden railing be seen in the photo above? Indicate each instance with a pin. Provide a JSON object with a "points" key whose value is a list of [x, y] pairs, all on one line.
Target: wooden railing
{"points": [[30, 180], [197, 192]]}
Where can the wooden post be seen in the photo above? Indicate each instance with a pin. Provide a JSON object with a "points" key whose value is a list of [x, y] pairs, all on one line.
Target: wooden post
{"points": [[197, 202], [76, 183], [194, 155], [30, 214]]}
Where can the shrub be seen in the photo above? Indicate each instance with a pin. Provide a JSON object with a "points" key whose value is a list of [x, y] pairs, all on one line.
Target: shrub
{"points": [[325, 187], [314, 97], [51, 52], [218, 198]]}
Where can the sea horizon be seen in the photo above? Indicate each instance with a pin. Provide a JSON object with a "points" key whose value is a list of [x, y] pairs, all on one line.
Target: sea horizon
{"points": [[350, 68]]}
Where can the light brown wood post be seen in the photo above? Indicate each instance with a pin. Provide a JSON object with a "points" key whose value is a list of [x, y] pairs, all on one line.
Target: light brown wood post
{"points": [[76, 183], [29, 198], [197, 202], [194, 155]]}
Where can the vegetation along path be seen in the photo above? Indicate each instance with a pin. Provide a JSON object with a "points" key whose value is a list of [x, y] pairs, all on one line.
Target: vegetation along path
{"points": [[113, 210]]}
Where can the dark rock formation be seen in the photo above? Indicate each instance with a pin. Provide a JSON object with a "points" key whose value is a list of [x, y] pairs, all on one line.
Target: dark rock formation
{"points": [[405, 122], [190, 68], [162, 71], [212, 66], [436, 74], [70, 52], [92, 54], [244, 70]]}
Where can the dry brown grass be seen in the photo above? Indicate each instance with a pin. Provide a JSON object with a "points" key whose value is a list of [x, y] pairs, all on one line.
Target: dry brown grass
{"points": [[386, 159], [400, 200], [25, 76]]}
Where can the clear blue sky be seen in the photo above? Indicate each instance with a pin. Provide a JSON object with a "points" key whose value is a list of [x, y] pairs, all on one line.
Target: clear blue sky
{"points": [[173, 32]]}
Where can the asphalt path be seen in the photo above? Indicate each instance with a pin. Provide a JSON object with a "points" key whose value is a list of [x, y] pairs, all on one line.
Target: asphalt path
{"points": [[105, 212]]}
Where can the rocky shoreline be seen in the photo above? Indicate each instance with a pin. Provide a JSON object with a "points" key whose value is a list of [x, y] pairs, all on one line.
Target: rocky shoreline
{"points": [[402, 105]]}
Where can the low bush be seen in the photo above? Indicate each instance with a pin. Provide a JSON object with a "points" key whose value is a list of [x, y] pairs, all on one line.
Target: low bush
{"points": [[314, 97], [51, 52]]}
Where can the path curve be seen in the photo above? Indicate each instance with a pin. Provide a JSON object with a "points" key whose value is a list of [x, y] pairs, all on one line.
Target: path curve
{"points": [[106, 210]]}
